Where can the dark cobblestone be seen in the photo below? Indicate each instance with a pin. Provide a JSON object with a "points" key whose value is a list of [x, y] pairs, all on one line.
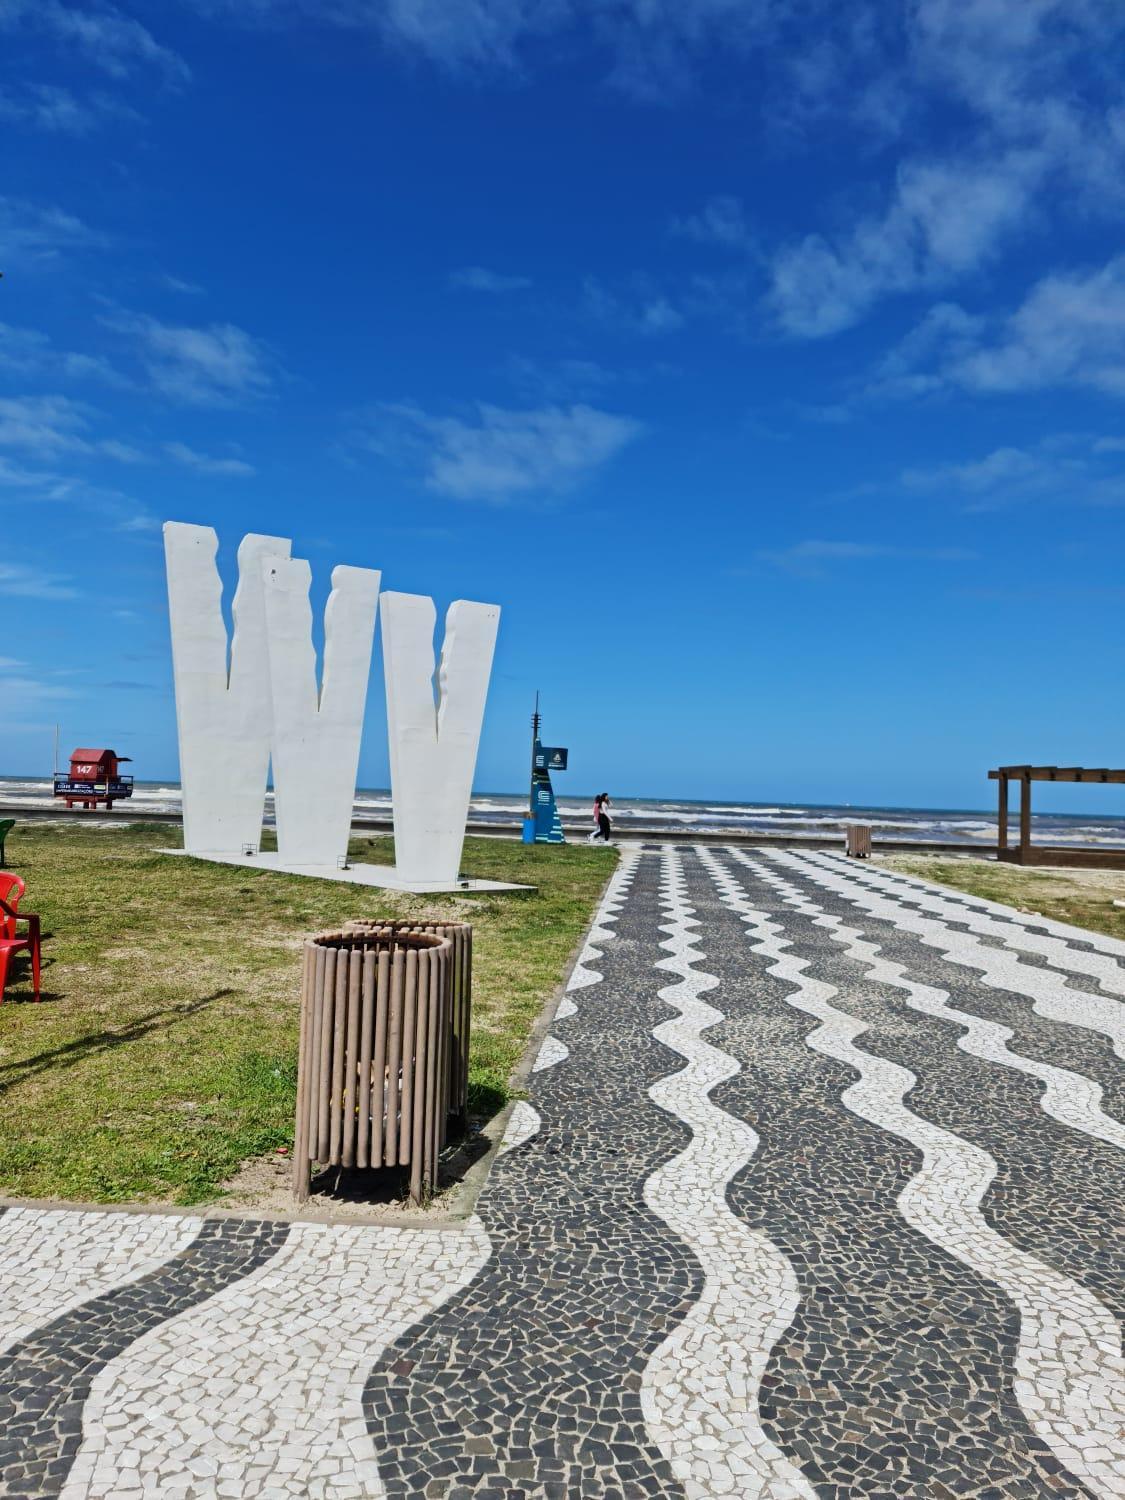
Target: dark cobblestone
{"points": [[524, 1380], [896, 1372]]}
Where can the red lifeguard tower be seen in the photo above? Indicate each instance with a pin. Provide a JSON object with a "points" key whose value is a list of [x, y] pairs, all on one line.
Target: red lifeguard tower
{"points": [[94, 777]]}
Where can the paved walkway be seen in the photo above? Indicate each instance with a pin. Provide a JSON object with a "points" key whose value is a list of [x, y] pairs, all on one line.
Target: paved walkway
{"points": [[818, 1193]]}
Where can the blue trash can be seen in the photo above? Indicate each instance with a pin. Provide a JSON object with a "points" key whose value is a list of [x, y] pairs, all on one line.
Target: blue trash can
{"points": [[529, 830]]}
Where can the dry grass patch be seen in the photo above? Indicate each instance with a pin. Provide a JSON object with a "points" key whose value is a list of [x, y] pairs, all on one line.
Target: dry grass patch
{"points": [[1082, 897]]}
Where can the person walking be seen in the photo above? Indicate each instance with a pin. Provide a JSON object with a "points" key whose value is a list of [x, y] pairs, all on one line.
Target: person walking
{"points": [[602, 828]]}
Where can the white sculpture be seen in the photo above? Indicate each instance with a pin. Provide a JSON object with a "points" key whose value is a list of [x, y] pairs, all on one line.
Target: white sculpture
{"points": [[433, 738], [223, 709], [266, 702], [316, 734]]}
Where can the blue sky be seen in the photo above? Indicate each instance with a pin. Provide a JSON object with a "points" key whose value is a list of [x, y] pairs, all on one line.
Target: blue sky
{"points": [[765, 362]]}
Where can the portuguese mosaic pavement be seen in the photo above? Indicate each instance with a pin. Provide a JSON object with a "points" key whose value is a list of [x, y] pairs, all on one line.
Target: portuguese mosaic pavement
{"points": [[817, 1192]]}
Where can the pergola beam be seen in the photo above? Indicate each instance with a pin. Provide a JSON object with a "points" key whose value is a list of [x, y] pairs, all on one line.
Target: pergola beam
{"points": [[1058, 773]]}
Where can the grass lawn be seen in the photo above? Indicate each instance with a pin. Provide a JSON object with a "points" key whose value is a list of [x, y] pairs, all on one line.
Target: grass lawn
{"points": [[164, 1052], [1082, 897]]}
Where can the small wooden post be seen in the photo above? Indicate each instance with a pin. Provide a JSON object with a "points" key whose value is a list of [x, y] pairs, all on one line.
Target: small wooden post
{"points": [[339, 1041], [409, 1042], [324, 1073], [379, 1059], [351, 1061], [394, 1057], [312, 1101], [1025, 816], [415, 1120], [301, 1136], [366, 1047]]}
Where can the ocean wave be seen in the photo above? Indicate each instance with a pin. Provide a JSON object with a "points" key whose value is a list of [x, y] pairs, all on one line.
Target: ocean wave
{"points": [[725, 819]]}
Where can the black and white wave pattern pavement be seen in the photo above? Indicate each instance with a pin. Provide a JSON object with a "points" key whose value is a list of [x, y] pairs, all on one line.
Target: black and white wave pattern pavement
{"points": [[817, 1193]]}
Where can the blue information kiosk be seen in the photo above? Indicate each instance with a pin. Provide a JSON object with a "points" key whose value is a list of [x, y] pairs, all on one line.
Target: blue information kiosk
{"points": [[544, 818]]}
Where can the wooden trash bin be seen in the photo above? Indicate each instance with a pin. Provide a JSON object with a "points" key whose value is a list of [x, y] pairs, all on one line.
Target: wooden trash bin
{"points": [[456, 1053], [372, 1070], [857, 843]]}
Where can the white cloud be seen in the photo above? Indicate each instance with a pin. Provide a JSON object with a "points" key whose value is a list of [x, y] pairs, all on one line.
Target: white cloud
{"points": [[43, 425], [203, 463], [15, 476], [1029, 126], [475, 32], [647, 49], [560, 380], [945, 219], [1011, 61], [219, 365], [811, 559], [122, 453], [57, 431], [1008, 62], [946, 331], [642, 310], [50, 107], [1004, 469], [48, 426], [1069, 331], [721, 221], [659, 316], [53, 428], [1064, 470], [22, 582], [480, 279], [1021, 98], [178, 284], [27, 351], [35, 234], [17, 692], [111, 40], [503, 455], [67, 488]]}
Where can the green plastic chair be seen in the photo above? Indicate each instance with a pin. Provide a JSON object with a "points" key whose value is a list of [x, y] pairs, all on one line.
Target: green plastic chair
{"points": [[6, 826]]}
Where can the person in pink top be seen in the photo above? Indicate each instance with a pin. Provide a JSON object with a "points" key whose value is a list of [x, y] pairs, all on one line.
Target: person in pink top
{"points": [[602, 829]]}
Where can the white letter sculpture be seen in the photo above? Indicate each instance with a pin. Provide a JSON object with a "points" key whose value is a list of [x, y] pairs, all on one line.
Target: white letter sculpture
{"points": [[223, 711], [433, 744], [316, 736]]}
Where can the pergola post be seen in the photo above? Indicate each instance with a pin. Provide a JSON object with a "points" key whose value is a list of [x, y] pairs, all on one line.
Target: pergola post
{"points": [[1002, 813], [1025, 816]]}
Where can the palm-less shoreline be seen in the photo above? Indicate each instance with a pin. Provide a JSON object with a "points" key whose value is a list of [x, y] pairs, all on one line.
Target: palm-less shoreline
{"points": [[677, 818]]}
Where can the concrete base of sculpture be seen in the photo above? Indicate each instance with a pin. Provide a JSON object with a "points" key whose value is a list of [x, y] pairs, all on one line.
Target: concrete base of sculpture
{"points": [[382, 877]]}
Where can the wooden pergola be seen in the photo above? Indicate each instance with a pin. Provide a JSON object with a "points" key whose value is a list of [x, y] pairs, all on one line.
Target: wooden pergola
{"points": [[1026, 853]]}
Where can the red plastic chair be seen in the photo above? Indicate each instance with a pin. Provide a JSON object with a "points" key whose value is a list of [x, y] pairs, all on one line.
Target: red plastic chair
{"points": [[11, 889]]}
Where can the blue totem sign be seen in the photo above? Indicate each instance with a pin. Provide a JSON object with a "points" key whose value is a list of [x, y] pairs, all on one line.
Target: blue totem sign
{"points": [[544, 760]]}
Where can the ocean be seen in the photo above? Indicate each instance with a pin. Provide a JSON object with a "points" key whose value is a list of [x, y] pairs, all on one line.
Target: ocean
{"points": [[739, 819]]}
